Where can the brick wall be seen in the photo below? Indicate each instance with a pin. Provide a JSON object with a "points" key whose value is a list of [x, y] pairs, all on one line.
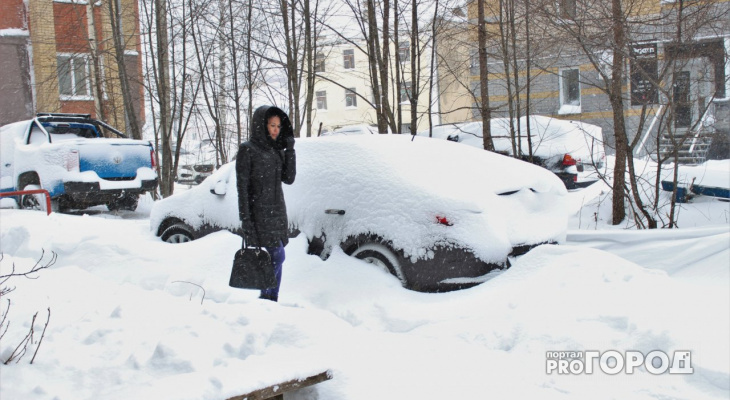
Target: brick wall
{"points": [[12, 14], [71, 28]]}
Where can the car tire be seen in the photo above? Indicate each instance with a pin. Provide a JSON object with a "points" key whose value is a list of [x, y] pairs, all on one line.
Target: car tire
{"points": [[36, 201], [382, 257], [178, 233]]}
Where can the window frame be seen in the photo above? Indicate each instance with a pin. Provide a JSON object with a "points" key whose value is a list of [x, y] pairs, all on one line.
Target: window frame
{"points": [[404, 51], [568, 106], [567, 9], [320, 62], [348, 58], [474, 62], [71, 59], [321, 95], [406, 92], [350, 98]]}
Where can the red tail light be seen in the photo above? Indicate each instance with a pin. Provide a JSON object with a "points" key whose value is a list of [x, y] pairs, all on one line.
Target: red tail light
{"points": [[152, 159], [568, 160], [443, 220]]}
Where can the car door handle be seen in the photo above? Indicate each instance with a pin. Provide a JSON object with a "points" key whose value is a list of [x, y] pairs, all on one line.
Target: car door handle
{"points": [[334, 211]]}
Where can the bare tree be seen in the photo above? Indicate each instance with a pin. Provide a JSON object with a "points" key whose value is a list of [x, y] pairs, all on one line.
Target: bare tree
{"points": [[162, 85], [486, 112]]}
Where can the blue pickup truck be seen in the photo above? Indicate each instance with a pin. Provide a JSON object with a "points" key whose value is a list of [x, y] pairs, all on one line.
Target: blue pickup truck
{"points": [[73, 157]]}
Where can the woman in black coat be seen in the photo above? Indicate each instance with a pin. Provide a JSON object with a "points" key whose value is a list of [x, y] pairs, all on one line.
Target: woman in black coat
{"points": [[263, 162]]}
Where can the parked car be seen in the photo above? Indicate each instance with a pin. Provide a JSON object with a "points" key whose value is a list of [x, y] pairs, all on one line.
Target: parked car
{"points": [[437, 215], [573, 150], [196, 163], [193, 173], [358, 129], [69, 156]]}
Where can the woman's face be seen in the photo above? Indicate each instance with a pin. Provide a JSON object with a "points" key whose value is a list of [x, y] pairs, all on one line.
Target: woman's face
{"points": [[273, 125]]}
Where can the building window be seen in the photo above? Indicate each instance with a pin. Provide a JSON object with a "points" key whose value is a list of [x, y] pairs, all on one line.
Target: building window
{"points": [[405, 92], [569, 91], [319, 62], [73, 77], [349, 58], [566, 9], [474, 62], [404, 51], [350, 98], [322, 100], [372, 96]]}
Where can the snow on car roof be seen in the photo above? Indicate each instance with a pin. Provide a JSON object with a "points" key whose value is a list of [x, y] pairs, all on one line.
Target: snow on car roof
{"points": [[550, 136]]}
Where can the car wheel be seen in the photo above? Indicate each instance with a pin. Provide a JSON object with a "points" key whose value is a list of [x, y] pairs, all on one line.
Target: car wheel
{"points": [[382, 257], [36, 201], [178, 233]]}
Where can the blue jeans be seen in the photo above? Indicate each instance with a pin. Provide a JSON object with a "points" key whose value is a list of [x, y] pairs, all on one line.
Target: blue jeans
{"points": [[277, 260]]}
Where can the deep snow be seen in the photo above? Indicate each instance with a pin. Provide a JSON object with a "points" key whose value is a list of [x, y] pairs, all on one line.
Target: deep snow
{"points": [[132, 317]]}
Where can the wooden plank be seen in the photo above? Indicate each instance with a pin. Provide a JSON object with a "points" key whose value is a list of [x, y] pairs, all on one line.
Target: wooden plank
{"points": [[277, 391]]}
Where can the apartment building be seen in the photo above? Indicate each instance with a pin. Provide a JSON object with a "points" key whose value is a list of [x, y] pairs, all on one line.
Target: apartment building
{"points": [[567, 82], [58, 56], [343, 93], [456, 56]]}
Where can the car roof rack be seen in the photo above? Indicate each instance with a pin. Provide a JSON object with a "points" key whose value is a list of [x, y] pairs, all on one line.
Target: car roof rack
{"points": [[63, 115]]}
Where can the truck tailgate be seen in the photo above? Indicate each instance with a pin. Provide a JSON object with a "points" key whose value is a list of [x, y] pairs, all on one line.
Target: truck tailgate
{"points": [[114, 161]]}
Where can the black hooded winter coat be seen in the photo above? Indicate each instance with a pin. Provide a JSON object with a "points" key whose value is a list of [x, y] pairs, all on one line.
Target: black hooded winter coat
{"points": [[262, 164]]}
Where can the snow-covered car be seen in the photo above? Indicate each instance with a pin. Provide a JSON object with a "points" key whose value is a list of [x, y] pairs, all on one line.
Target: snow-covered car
{"points": [[435, 214], [358, 129], [69, 156], [573, 150]]}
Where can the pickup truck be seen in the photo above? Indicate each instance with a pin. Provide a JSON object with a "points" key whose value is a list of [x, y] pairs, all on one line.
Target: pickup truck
{"points": [[69, 156]]}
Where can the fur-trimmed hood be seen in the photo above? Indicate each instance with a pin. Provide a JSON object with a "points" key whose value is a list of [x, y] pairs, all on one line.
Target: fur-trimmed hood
{"points": [[260, 135]]}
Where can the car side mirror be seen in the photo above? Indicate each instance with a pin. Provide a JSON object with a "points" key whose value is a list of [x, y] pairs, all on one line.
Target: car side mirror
{"points": [[219, 189]]}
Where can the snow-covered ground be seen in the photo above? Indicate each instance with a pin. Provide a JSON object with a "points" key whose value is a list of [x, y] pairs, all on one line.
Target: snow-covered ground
{"points": [[130, 317]]}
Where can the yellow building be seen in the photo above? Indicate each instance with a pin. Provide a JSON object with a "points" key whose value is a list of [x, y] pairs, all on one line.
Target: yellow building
{"points": [[58, 56]]}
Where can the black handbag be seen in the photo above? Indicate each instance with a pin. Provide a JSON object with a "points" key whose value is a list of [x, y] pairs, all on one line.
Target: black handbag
{"points": [[252, 269]]}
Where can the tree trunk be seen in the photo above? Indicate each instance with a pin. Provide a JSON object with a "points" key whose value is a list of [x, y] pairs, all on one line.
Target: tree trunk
{"points": [[372, 46], [616, 98], [486, 113], [249, 70], [236, 94], [309, 53], [414, 68], [163, 88], [398, 73]]}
